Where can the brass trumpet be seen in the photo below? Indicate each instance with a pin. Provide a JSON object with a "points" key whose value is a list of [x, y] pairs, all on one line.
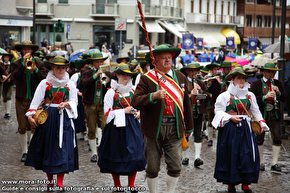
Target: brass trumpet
{"points": [[29, 64]]}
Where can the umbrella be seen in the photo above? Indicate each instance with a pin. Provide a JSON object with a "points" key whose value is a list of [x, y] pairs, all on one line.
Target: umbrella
{"points": [[275, 48], [76, 54], [91, 51], [2, 51], [261, 61], [60, 53], [239, 60]]}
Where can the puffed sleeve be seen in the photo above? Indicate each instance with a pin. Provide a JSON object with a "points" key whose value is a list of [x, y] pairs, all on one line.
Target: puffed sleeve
{"points": [[221, 117]]}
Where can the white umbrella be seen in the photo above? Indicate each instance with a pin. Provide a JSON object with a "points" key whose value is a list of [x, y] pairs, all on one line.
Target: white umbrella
{"points": [[265, 58], [275, 48]]}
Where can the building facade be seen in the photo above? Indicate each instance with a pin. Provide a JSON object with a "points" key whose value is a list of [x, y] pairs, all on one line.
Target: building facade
{"points": [[112, 22], [258, 20], [15, 21], [213, 20]]}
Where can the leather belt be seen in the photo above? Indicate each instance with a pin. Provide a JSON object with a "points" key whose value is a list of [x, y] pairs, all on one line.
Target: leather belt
{"points": [[168, 120]]}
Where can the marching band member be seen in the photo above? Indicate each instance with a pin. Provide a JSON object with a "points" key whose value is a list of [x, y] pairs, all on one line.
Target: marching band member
{"points": [[122, 147], [237, 157], [27, 72], [270, 93], [6, 83], [197, 95], [93, 94], [213, 82], [161, 96], [53, 146]]}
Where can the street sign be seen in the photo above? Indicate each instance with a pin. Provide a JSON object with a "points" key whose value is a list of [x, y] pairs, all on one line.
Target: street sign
{"points": [[120, 24]]}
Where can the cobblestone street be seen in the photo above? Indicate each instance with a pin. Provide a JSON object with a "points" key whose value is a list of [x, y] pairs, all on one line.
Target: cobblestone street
{"points": [[192, 180]]}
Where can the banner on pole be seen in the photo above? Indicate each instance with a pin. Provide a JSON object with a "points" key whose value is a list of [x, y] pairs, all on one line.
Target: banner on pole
{"points": [[199, 43], [252, 44], [230, 43], [187, 41]]}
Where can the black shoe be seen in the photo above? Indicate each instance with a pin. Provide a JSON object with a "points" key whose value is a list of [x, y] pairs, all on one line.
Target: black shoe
{"points": [[23, 158], [231, 189], [94, 158], [7, 116], [209, 143], [262, 167], [198, 162], [185, 161], [276, 168]]}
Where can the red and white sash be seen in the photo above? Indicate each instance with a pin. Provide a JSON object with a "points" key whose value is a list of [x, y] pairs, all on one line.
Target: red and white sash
{"points": [[172, 89]]}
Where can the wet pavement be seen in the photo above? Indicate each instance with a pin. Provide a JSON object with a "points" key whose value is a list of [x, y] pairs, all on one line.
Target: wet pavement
{"points": [[15, 177]]}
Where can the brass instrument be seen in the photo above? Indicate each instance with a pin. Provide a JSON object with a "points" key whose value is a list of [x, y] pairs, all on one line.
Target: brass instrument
{"points": [[29, 63]]}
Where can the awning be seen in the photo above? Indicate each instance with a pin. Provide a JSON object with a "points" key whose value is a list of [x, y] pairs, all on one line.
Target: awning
{"points": [[152, 27], [228, 32], [16, 22], [172, 28], [210, 39]]}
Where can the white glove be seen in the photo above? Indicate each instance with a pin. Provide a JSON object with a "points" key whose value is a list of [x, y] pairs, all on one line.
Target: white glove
{"points": [[265, 126]]}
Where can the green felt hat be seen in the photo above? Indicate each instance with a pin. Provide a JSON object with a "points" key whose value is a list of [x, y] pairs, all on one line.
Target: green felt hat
{"points": [[164, 48], [59, 61], [226, 64], [193, 66], [124, 69], [212, 65], [270, 66], [237, 71], [96, 56]]}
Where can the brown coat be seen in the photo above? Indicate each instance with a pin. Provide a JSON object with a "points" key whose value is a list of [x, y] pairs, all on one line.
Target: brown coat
{"points": [[19, 78], [150, 111]]}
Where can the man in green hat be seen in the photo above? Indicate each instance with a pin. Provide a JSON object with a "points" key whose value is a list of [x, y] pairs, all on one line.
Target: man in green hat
{"points": [[162, 98], [27, 72], [197, 95], [270, 93], [93, 95]]}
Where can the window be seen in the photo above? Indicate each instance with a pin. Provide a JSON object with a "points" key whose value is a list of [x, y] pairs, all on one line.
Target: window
{"points": [[200, 6], [41, 1], [234, 8], [250, 1], [63, 1], [248, 20], [259, 21], [214, 7], [229, 8], [278, 19], [192, 6]]}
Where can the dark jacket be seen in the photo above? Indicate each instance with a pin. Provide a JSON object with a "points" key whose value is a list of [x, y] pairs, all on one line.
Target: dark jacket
{"points": [[256, 88], [88, 85], [151, 111], [25, 80]]}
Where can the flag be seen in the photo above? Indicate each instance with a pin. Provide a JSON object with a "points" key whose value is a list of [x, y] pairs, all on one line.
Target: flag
{"points": [[230, 41], [187, 41], [199, 43], [252, 44]]}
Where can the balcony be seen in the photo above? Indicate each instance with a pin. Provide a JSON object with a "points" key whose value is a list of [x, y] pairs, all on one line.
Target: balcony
{"points": [[162, 12], [44, 9], [262, 32], [213, 19], [24, 7], [104, 10]]}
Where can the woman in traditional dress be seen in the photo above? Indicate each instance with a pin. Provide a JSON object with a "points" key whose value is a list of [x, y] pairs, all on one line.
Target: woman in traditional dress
{"points": [[53, 146], [237, 157], [122, 148]]}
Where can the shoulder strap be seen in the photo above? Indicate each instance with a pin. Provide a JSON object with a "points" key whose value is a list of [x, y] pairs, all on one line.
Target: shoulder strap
{"points": [[250, 115]]}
